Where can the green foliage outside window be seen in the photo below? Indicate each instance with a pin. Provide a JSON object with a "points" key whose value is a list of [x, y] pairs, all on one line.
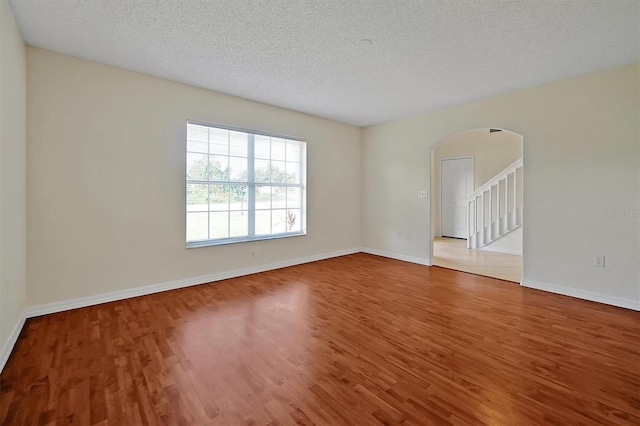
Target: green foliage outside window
{"points": [[197, 194]]}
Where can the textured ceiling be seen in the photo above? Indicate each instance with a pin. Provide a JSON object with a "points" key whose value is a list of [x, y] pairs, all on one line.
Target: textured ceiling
{"points": [[309, 55]]}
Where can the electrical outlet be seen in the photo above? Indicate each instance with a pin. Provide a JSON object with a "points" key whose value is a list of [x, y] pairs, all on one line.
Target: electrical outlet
{"points": [[423, 194], [598, 261], [399, 234], [252, 254]]}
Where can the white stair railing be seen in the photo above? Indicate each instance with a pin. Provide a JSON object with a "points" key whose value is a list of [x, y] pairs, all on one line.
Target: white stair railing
{"points": [[495, 209]]}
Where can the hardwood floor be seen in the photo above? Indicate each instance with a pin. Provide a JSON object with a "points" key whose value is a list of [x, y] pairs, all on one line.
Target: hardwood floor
{"points": [[359, 340], [453, 253]]}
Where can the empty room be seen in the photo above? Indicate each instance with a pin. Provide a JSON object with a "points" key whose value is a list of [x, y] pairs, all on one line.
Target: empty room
{"points": [[235, 212]]}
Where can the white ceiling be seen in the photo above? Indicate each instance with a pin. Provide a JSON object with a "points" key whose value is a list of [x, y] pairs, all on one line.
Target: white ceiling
{"points": [[309, 55]]}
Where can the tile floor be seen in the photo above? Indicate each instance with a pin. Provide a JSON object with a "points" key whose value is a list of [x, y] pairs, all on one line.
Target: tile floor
{"points": [[453, 253]]}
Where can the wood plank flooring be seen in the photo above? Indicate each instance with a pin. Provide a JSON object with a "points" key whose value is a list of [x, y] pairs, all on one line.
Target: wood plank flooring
{"points": [[359, 340]]}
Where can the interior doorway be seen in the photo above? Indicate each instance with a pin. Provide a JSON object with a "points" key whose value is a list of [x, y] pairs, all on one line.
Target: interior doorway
{"points": [[477, 203], [456, 185], [452, 253]]}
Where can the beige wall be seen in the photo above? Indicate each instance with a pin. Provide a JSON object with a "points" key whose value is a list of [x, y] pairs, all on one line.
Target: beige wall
{"points": [[491, 152], [13, 183], [581, 158], [106, 180]]}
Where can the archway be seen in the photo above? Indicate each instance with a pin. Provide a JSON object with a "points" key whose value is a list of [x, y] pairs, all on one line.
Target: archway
{"points": [[477, 200]]}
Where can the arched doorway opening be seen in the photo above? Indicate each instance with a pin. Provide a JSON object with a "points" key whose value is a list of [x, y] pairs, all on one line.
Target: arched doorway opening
{"points": [[477, 203]]}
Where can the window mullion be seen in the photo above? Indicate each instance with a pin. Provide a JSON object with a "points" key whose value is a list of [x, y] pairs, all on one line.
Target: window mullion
{"points": [[208, 185], [301, 181], [303, 185], [286, 191], [251, 187], [228, 185]]}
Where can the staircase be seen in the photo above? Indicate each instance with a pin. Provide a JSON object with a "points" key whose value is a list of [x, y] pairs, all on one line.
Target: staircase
{"points": [[495, 209]]}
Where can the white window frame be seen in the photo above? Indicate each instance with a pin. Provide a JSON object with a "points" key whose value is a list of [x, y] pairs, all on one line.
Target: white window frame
{"points": [[251, 185]]}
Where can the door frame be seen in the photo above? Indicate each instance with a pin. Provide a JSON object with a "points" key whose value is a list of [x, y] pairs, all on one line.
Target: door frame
{"points": [[473, 181]]}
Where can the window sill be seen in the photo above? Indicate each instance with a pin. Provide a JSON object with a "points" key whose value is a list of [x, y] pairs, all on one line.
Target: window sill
{"points": [[221, 242]]}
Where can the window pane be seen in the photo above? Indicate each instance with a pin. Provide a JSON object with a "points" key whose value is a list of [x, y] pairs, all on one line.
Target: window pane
{"points": [[219, 141], [197, 226], [261, 170], [263, 222], [238, 169], [196, 166], [263, 197], [279, 197], [197, 198], [239, 224], [278, 149], [262, 147], [219, 225], [198, 133], [238, 195], [219, 197], [278, 221], [294, 198], [218, 168], [293, 151], [294, 224], [197, 146], [218, 148], [238, 144], [293, 172], [277, 172]]}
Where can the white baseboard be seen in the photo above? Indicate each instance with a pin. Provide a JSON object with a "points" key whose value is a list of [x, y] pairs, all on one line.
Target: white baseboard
{"points": [[11, 341], [396, 256], [81, 302], [584, 294], [513, 252]]}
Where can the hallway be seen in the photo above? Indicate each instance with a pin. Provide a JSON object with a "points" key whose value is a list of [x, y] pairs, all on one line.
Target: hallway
{"points": [[453, 253]]}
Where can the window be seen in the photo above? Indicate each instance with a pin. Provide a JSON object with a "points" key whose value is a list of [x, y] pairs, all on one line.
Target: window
{"points": [[243, 186]]}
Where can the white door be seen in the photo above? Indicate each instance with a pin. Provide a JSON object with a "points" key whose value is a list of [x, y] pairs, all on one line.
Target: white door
{"points": [[456, 184]]}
